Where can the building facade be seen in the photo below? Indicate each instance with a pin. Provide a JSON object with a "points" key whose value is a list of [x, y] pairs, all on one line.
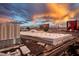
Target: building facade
{"points": [[9, 32]]}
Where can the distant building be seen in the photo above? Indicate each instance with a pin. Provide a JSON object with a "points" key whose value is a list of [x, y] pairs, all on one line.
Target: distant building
{"points": [[9, 32]]}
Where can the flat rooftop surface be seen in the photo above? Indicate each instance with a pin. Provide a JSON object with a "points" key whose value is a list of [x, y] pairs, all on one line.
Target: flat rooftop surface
{"points": [[45, 34], [55, 38]]}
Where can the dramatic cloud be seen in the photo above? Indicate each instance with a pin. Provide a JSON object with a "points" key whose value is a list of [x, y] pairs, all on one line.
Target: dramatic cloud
{"points": [[24, 11]]}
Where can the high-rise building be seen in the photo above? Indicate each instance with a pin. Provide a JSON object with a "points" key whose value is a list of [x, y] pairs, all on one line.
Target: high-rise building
{"points": [[9, 32]]}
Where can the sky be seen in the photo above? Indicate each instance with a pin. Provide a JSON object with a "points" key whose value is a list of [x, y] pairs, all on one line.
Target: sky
{"points": [[24, 11]]}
